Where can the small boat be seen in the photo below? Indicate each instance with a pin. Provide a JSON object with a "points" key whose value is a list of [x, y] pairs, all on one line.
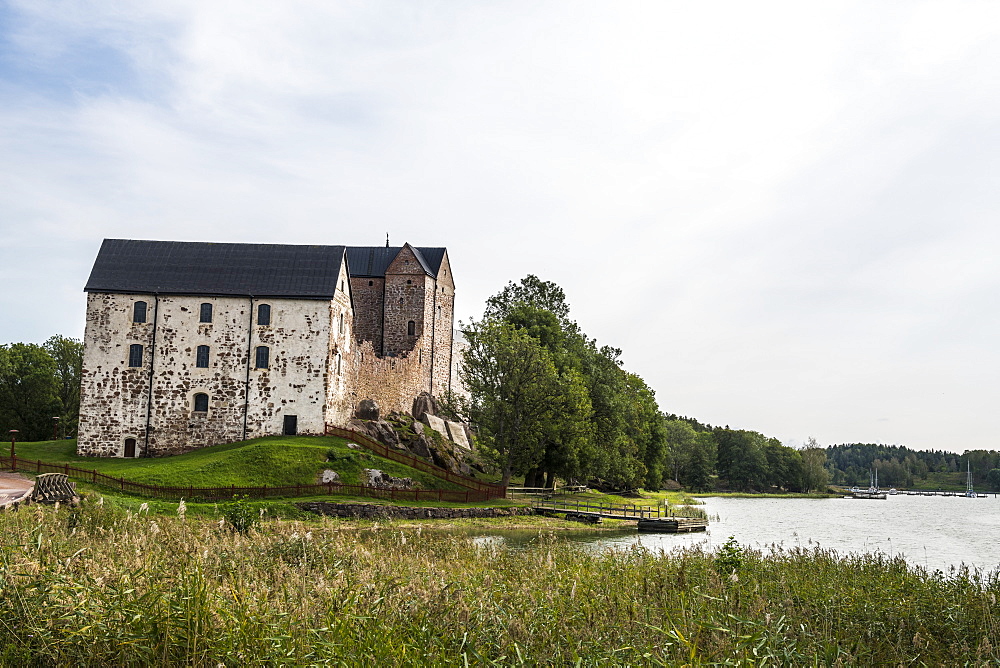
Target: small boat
{"points": [[873, 492], [969, 492]]}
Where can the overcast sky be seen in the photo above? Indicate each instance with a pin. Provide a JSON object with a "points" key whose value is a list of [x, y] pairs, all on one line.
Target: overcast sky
{"points": [[783, 213]]}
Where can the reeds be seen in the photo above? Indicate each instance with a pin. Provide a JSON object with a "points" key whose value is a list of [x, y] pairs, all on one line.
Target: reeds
{"points": [[104, 586]]}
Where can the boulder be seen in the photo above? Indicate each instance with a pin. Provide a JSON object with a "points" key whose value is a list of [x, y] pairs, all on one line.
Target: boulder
{"points": [[424, 403], [367, 410], [436, 423], [456, 432], [421, 446], [328, 476], [380, 430]]}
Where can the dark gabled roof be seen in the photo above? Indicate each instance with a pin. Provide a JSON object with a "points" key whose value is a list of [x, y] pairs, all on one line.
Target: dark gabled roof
{"points": [[199, 268], [372, 261]]}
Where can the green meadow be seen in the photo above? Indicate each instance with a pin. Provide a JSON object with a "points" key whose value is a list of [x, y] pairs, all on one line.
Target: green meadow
{"points": [[272, 461]]}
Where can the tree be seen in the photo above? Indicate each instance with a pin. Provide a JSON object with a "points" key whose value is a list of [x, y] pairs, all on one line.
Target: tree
{"points": [[532, 291], [514, 388], [682, 443], [742, 458], [569, 442], [697, 475], [993, 480], [814, 473], [28, 390], [68, 356]]}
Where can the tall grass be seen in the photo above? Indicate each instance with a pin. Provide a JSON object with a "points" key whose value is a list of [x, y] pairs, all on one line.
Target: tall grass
{"points": [[101, 585]]}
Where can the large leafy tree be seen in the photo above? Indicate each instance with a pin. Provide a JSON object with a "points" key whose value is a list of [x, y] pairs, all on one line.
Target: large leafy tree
{"points": [[514, 389], [607, 425], [68, 357], [29, 391]]}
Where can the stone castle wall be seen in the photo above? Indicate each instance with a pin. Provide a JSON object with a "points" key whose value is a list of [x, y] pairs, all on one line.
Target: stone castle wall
{"points": [[392, 382], [323, 360], [368, 304], [309, 358]]}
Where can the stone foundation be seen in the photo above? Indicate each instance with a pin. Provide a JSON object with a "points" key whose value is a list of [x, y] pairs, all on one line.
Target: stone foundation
{"points": [[369, 511]]}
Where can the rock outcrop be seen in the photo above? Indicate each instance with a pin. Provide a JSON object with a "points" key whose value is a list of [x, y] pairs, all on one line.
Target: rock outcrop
{"points": [[404, 433], [382, 480], [424, 403], [367, 409]]}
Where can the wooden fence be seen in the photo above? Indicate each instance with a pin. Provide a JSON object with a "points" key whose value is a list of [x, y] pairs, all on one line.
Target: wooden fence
{"points": [[476, 490], [492, 491]]}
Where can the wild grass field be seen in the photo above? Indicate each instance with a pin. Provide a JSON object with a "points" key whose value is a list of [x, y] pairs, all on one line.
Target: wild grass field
{"points": [[101, 585]]}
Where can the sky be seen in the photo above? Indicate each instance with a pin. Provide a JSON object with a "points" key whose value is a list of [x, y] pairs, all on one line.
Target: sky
{"points": [[784, 213]]}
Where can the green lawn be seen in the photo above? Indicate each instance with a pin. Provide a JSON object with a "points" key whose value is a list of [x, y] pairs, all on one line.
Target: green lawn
{"points": [[272, 461]]}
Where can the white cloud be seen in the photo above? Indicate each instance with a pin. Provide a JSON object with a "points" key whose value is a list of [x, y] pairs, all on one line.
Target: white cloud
{"points": [[781, 211]]}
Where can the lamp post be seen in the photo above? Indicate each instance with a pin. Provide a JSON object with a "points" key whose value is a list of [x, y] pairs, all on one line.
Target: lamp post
{"points": [[55, 428], [13, 461]]}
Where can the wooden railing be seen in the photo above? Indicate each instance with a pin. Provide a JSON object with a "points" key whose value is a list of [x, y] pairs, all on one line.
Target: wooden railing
{"points": [[220, 493], [603, 509], [492, 491]]}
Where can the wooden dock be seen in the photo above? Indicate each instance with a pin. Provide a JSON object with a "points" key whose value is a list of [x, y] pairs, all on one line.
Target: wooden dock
{"points": [[648, 518], [673, 525], [603, 510]]}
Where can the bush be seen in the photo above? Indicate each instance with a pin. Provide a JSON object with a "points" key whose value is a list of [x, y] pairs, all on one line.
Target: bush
{"points": [[239, 515]]}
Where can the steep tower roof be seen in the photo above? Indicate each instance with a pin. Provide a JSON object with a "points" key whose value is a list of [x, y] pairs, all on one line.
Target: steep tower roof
{"points": [[219, 269], [372, 261]]}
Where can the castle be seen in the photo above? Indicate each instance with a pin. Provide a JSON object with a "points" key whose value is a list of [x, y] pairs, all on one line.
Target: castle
{"points": [[191, 344]]}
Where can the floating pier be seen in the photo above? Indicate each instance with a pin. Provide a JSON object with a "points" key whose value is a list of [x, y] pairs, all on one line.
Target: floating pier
{"points": [[673, 524]]}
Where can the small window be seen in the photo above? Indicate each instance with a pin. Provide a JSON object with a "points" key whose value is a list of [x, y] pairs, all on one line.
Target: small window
{"points": [[264, 314], [340, 327], [263, 356], [139, 312], [135, 355], [206, 312], [201, 360], [411, 328], [339, 360], [409, 282], [201, 403], [370, 283]]}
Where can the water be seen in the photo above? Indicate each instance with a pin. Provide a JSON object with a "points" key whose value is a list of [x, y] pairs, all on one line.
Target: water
{"points": [[934, 532]]}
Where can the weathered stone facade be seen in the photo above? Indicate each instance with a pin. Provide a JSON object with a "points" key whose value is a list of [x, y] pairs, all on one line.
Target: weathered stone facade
{"points": [[168, 382]]}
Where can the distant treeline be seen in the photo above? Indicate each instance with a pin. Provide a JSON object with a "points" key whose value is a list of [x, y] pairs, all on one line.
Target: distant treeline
{"points": [[899, 466]]}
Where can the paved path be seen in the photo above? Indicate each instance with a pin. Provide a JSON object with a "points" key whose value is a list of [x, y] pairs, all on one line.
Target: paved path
{"points": [[13, 486]]}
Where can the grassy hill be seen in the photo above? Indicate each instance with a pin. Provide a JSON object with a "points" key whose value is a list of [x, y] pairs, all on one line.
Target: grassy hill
{"points": [[272, 461]]}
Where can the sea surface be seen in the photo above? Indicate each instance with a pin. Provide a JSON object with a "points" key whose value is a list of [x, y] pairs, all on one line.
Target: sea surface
{"points": [[930, 531]]}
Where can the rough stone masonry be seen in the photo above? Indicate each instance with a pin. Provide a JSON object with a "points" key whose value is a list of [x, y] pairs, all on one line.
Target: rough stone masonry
{"points": [[191, 344]]}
